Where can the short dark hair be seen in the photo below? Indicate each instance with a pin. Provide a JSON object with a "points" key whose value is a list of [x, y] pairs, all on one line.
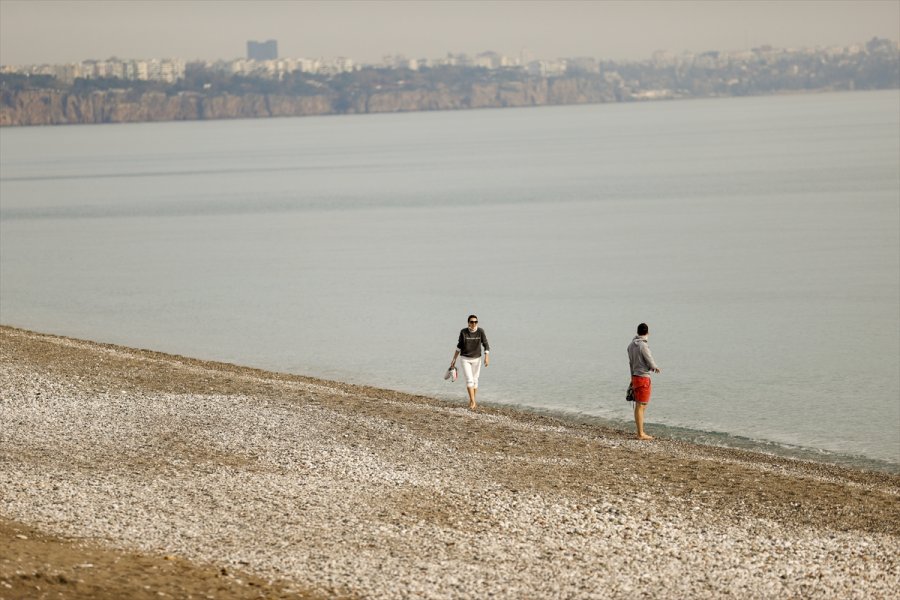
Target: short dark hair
{"points": [[643, 329], [472, 317]]}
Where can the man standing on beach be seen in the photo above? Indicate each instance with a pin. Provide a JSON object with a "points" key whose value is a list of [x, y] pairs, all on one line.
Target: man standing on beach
{"points": [[642, 364]]}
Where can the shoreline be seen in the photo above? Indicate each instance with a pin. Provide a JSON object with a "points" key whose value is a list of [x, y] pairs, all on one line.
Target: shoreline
{"points": [[314, 108], [769, 448], [352, 490], [705, 438]]}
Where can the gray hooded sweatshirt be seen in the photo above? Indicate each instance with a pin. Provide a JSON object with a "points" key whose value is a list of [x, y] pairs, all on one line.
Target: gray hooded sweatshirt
{"points": [[639, 357]]}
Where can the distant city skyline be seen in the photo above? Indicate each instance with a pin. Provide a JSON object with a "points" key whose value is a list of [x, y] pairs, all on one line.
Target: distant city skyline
{"points": [[64, 31]]}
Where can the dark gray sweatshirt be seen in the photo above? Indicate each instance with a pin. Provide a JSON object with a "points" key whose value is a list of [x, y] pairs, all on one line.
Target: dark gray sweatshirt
{"points": [[470, 343]]}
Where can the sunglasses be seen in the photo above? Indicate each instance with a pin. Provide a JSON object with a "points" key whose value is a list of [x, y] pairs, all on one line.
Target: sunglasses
{"points": [[473, 321]]}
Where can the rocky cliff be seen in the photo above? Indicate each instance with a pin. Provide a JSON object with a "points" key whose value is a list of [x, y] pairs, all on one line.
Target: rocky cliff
{"points": [[51, 107], [54, 107]]}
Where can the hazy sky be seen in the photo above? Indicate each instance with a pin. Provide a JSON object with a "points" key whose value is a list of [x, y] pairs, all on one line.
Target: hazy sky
{"points": [[59, 31]]}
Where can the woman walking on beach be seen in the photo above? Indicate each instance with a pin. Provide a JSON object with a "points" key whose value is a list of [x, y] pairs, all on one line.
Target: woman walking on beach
{"points": [[471, 340]]}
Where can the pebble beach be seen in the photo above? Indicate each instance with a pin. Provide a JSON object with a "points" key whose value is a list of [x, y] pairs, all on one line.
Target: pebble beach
{"points": [[260, 484]]}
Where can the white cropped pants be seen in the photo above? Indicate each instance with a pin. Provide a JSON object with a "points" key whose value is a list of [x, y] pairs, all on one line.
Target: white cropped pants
{"points": [[471, 369]]}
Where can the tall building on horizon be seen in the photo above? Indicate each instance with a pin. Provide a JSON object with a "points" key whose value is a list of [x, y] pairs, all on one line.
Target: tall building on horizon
{"points": [[267, 50]]}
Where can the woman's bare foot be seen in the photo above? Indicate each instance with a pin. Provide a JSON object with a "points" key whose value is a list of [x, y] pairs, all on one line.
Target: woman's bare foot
{"points": [[644, 436]]}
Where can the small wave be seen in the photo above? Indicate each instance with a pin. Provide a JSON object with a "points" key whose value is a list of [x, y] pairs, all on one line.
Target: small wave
{"points": [[723, 440]]}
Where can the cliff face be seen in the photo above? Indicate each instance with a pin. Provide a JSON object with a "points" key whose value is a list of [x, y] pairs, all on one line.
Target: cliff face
{"points": [[490, 95], [49, 107], [52, 107]]}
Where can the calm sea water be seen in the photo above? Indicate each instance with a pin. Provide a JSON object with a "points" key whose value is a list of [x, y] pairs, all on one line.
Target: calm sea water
{"points": [[759, 238]]}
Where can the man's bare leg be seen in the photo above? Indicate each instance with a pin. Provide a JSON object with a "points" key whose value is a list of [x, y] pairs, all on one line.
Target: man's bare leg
{"points": [[639, 421], [472, 405]]}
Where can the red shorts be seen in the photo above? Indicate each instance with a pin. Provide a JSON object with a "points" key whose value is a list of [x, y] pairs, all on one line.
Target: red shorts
{"points": [[642, 388]]}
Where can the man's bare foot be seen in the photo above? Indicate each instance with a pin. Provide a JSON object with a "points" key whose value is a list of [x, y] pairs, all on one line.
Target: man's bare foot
{"points": [[644, 436], [473, 406]]}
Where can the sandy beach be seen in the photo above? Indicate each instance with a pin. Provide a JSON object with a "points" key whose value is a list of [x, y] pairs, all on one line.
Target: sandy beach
{"points": [[130, 473]]}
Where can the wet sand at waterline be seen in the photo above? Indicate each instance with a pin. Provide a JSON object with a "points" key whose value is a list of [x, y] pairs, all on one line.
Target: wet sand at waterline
{"points": [[177, 476]]}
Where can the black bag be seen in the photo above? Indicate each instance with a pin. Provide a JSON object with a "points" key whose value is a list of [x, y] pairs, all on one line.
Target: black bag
{"points": [[629, 395]]}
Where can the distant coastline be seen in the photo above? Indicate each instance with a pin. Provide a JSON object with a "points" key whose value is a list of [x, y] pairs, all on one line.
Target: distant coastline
{"points": [[205, 93], [54, 107]]}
